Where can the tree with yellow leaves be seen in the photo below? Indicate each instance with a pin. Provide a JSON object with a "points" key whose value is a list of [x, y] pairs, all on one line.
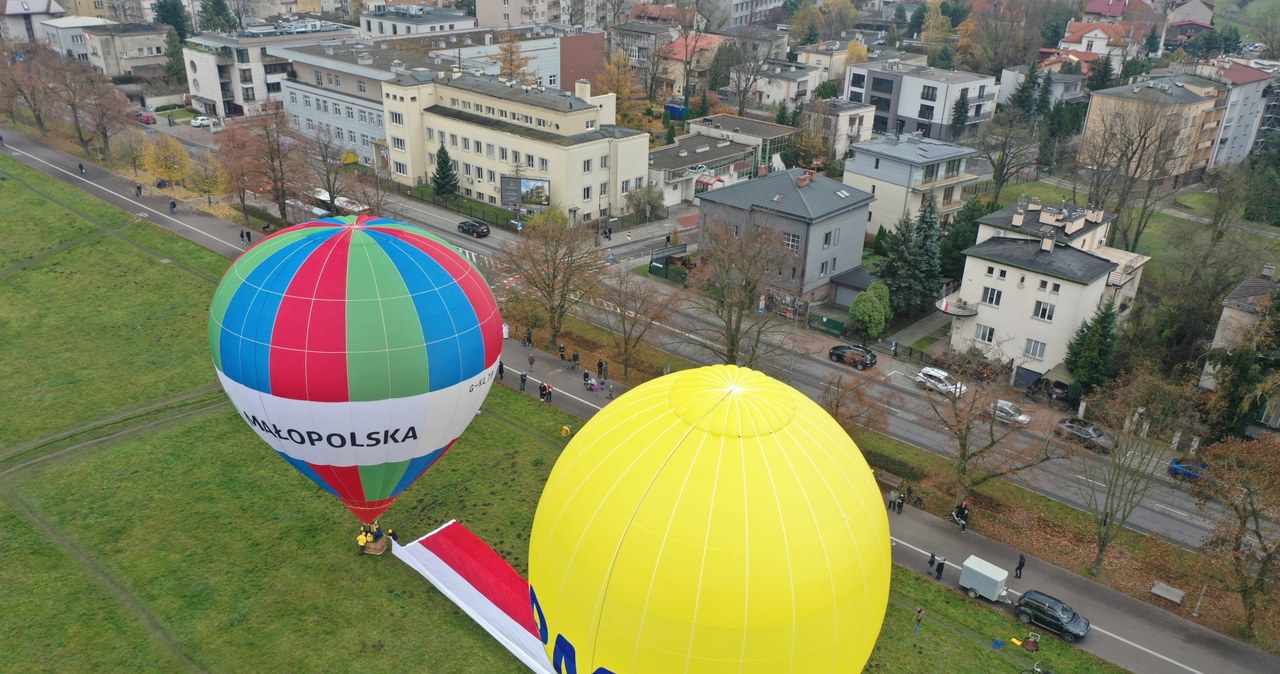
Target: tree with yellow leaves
{"points": [[856, 53], [206, 176], [167, 158], [618, 79], [937, 28], [512, 63]]}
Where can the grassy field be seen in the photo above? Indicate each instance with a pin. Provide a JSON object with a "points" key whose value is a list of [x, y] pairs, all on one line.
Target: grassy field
{"points": [[181, 542]]}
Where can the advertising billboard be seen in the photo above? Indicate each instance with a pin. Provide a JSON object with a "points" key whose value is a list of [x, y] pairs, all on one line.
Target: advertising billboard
{"points": [[526, 191]]}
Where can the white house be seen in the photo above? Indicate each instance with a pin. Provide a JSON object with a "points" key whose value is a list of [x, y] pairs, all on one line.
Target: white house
{"points": [[1062, 87], [696, 163], [919, 99], [65, 35], [785, 82], [414, 20], [1035, 275], [22, 19], [1118, 41], [900, 172]]}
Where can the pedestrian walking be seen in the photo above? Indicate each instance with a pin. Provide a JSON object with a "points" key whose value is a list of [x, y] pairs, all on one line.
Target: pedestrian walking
{"points": [[137, 190], [562, 353], [919, 617], [933, 561], [1, 140], [575, 361], [523, 378], [82, 168], [528, 337], [542, 392], [599, 369], [550, 389], [668, 240], [893, 500], [248, 236], [595, 387], [173, 207], [242, 236], [937, 570], [902, 499], [604, 374], [531, 362], [586, 379], [501, 370], [1022, 561]]}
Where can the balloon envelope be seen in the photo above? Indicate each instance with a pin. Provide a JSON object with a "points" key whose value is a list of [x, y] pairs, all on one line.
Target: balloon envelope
{"points": [[713, 521], [359, 348]]}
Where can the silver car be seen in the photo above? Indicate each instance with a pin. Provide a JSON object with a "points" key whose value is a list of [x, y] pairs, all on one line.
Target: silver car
{"points": [[1008, 413], [940, 381]]}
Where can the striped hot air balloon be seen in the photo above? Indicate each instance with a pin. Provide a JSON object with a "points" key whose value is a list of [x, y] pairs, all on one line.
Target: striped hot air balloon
{"points": [[359, 348]]}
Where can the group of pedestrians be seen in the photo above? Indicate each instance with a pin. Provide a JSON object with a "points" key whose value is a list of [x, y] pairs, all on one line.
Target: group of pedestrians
{"points": [[246, 237]]}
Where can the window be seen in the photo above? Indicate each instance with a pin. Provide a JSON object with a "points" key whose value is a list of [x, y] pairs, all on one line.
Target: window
{"points": [[543, 164], [477, 146], [402, 168], [586, 193], [1035, 349], [491, 178], [364, 142], [858, 81], [822, 270], [604, 162], [985, 333], [953, 167], [351, 112], [293, 97], [502, 153], [881, 85], [431, 134], [397, 143], [552, 80], [337, 80], [431, 158], [351, 136], [877, 162], [515, 156], [306, 101], [926, 112], [929, 94], [466, 143], [640, 183], [586, 166], [397, 119], [311, 124], [466, 169], [488, 109], [604, 190], [360, 85], [991, 296], [1003, 274], [1044, 311], [488, 150], [453, 140], [364, 117], [1044, 285], [528, 160], [930, 173], [591, 123], [1057, 287], [791, 241], [319, 78]]}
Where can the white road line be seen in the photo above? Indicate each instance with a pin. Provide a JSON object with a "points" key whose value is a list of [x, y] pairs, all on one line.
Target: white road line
{"points": [[1089, 480], [1176, 512], [556, 391], [1094, 626]]}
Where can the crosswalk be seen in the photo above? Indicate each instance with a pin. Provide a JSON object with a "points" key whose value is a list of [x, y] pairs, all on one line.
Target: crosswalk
{"points": [[492, 270]]}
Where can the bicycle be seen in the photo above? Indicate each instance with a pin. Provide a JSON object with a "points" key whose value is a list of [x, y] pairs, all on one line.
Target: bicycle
{"points": [[1036, 669]]}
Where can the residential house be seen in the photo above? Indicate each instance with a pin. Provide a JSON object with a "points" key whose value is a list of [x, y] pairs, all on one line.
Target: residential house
{"points": [[1053, 60], [747, 12], [841, 122], [1115, 40], [1068, 88], [1192, 101], [1105, 10], [65, 34], [768, 139], [829, 57], [121, 48], [642, 42], [95, 8], [772, 42], [698, 49], [902, 170], [1191, 11], [414, 20], [1036, 273], [911, 99], [22, 19], [696, 163], [233, 75], [672, 16], [821, 221], [1242, 309], [520, 147], [784, 82]]}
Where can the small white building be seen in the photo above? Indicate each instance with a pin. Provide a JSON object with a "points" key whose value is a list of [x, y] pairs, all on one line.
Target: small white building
{"points": [[400, 20], [1118, 41], [696, 163], [768, 139], [117, 49], [22, 20], [1068, 87], [786, 82], [65, 35], [900, 172]]}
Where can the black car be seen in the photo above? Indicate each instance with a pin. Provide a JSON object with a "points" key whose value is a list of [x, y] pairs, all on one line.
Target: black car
{"points": [[1038, 608], [474, 228], [857, 355], [1086, 434]]}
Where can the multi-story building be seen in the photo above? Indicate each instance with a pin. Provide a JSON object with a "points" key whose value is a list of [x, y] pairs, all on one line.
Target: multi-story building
{"points": [[1188, 108], [699, 49], [1245, 91], [747, 12], [763, 40], [841, 122], [822, 222], [1118, 41], [94, 8], [783, 82], [413, 20], [1105, 10], [902, 171], [768, 139], [65, 34], [642, 42], [1035, 275], [117, 49], [1194, 11], [22, 19], [125, 11], [518, 146], [830, 57], [1242, 310], [696, 163], [233, 75], [503, 13], [920, 99], [1068, 88]]}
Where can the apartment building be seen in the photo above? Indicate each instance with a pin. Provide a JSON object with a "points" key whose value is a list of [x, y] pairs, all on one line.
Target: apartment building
{"points": [[829, 57], [519, 146], [65, 35], [1242, 310], [768, 139], [1068, 88], [695, 164], [399, 20], [502, 13], [1243, 91], [747, 12], [1190, 107], [233, 75], [762, 38], [783, 82], [1035, 275], [118, 49], [700, 50], [902, 171], [919, 99], [642, 42]]}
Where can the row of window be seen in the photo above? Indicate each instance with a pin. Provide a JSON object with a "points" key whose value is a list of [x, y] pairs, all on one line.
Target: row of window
{"points": [[480, 173], [408, 30], [480, 108], [1043, 310], [311, 125], [1044, 285], [322, 105], [335, 80], [986, 334]]}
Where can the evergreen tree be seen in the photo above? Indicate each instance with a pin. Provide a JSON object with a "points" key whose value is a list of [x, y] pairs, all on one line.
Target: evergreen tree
{"points": [[782, 117], [899, 15], [959, 115], [1024, 96], [927, 235], [871, 311], [883, 241], [174, 68], [917, 20], [960, 236], [173, 13], [1044, 97], [893, 39], [945, 59], [1099, 74], [1152, 43], [898, 269], [671, 134], [215, 15], [445, 180], [1091, 354]]}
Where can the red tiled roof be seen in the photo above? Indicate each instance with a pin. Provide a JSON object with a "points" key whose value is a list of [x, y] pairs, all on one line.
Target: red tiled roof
{"points": [[1084, 58], [700, 42], [1117, 33], [1113, 8], [1239, 73]]}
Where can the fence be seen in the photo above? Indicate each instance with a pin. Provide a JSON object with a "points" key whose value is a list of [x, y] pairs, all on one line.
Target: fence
{"points": [[985, 186], [826, 325], [502, 218]]}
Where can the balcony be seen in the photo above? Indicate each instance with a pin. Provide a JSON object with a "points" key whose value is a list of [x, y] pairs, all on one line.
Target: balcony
{"points": [[989, 96], [945, 180], [952, 305]]}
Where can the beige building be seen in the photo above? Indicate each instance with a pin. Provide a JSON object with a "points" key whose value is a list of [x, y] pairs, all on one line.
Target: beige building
{"points": [[900, 172], [517, 146], [1035, 275], [116, 50], [830, 58], [1188, 108], [1241, 311]]}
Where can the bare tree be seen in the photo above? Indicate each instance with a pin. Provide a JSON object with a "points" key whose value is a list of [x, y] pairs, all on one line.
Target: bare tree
{"points": [[323, 152], [612, 13], [239, 159], [632, 307], [653, 64], [276, 161], [694, 20], [851, 403], [373, 189], [1142, 413], [240, 10], [70, 83], [106, 110], [132, 145], [728, 287], [28, 79], [1244, 545], [747, 69], [1009, 145], [557, 265], [1005, 33]]}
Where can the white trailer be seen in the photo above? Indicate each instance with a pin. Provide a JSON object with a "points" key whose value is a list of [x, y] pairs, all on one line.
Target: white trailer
{"points": [[981, 578]]}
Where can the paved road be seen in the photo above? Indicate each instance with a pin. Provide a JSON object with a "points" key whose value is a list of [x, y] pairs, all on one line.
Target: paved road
{"points": [[1127, 632]]}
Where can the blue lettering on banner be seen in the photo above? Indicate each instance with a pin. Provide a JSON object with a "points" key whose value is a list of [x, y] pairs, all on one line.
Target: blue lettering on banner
{"points": [[564, 656]]}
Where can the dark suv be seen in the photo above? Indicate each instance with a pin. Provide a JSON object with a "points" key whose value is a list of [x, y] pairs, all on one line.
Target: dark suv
{"points": [[856, 355], [474, 228], [1047, 612]]}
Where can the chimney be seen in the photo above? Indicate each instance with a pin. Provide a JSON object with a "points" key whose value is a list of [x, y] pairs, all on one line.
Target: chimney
{"points": [[1076, 224], [1034, 204], [1268, 271], [1046, 243], [1017, 218], [582, 89], [1092, 214]]}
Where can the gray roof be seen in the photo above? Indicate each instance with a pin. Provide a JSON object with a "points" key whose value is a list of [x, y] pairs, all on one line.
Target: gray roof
{"points": [[882, 53], [488, 85], [1032, 226], [128, 29], [642, 27], [1064, 262], [746, 125], [786, 70], [778, 192], [948, 76], [1058, 78], [913, 149], [429, 15], [827, 47], [606, 131], [1154, 91], [668, 158], [750, 32], [858, 278], [1250, 293]]}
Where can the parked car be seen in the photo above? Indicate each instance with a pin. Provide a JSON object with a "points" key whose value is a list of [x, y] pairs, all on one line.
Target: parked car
{"points": [[940, 381], [1038, 608], [203, 121], [1008, 413], [857, 355], [1085, 433], [474, 228], [147, 118], [1187, 469]]}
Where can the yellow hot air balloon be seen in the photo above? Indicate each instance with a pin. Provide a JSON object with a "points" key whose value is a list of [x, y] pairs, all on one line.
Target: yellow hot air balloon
{"points": [[713, 520]]}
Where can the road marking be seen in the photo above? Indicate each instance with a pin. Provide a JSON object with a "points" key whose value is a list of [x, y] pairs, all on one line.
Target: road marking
{"points": [[1089, 480], [1176, 512], [556, 391]]}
